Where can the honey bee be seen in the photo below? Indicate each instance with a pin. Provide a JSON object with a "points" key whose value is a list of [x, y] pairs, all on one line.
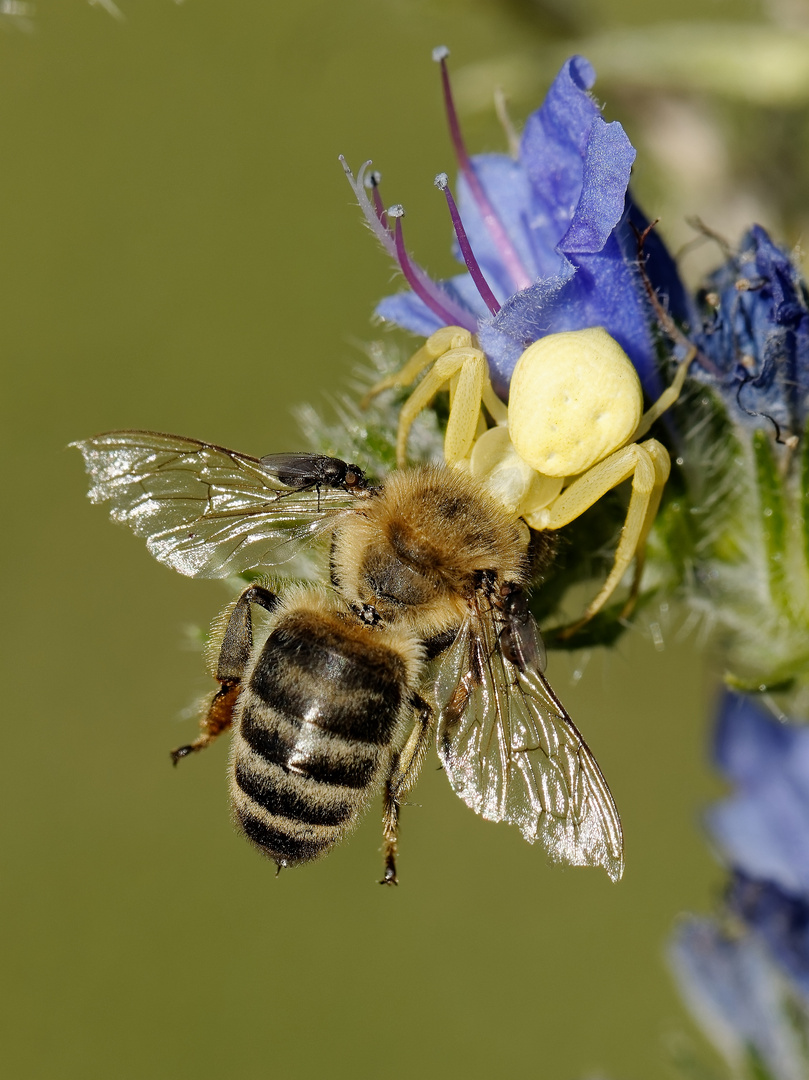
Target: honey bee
{"points": [[425, 632]]}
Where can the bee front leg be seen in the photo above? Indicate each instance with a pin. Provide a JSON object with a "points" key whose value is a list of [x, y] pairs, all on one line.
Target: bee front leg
{"points": [[403, 775], [234, 653]]}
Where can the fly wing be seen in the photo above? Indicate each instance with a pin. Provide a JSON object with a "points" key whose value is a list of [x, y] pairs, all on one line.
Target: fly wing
{"points": [[204, 510], [513, 754]]}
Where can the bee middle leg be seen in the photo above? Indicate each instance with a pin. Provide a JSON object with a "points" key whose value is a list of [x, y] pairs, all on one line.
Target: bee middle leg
{"points": [[403, 775], [234, 653]]}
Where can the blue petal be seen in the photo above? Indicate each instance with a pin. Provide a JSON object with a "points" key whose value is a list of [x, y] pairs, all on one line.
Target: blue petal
{"points": [[779, 919], [763, 829], [405, 309], [608, 162], [506, 185], [736, 995], [756, 342], [553, 145], [579, 168]]}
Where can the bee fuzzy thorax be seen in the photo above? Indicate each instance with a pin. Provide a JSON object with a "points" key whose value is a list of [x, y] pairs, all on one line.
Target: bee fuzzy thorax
{"points": [[417, 550]]}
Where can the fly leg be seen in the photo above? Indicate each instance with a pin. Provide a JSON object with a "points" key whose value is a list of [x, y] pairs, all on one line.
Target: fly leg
{"points": [[403, 775], [234, 654]]}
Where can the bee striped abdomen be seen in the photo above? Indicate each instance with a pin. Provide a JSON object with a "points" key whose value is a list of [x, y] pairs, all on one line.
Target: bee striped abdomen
{"points": [[318, 720]]}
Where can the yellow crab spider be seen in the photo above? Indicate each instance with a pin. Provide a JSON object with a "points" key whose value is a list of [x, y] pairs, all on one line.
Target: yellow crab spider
{"points": [[568, 436]]}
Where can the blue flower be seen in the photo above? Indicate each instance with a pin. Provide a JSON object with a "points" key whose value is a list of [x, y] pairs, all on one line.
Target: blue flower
{"points": [[746, 977], [762, 829], [550, 232], [737, 996], [779, 920], [755, 343]]}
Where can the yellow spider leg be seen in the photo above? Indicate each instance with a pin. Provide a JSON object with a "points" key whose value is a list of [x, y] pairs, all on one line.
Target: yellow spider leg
{"points": [[648, 466], [481, 424], [470, 366], [662, 465], [448, 337], [667, 398], [497, 409]]}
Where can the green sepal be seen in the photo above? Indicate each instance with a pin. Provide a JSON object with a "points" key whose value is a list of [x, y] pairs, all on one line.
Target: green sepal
{"points": [[805, 493], [772, 515], [749, 686], [755, 1066]]}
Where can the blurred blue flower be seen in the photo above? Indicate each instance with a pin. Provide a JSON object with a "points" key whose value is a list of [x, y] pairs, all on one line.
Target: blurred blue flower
{"points": [[755, 343], [779, 920], [762, 829], [746, 979], [737, 996], [551, 235]]}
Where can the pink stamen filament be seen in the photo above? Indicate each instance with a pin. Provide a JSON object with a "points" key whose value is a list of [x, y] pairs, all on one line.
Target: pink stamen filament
{"points": [[432, 302], [508, 253], [472, 265], [454, 313], [373, 180]]}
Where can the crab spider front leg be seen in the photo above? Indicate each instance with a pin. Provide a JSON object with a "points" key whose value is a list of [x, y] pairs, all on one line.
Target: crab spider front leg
{"points": [[459, 364], [469, 366], [448, 337], [648, 464]]}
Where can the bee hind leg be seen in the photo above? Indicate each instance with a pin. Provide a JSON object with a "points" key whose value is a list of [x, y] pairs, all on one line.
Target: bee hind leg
{"points": [[218, 719], [234, 653], [403, 775]]}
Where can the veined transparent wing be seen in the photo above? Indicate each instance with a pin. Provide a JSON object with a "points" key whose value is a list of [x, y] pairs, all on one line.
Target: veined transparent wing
{"points": [[204, 510], [513, 754]]}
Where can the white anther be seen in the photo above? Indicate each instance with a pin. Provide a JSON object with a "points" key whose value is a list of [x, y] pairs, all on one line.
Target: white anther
{"points": [[440, 52]]}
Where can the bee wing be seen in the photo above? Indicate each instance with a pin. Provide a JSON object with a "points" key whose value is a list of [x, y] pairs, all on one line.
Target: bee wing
{"points": [[204, 510], [513, 754]]}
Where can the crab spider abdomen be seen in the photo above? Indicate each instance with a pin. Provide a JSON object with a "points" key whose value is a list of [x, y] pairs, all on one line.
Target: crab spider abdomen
{"points": [[575, 398]]}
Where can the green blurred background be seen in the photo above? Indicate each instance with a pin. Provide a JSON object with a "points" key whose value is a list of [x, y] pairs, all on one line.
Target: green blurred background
{"points": [[180, 252]]}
